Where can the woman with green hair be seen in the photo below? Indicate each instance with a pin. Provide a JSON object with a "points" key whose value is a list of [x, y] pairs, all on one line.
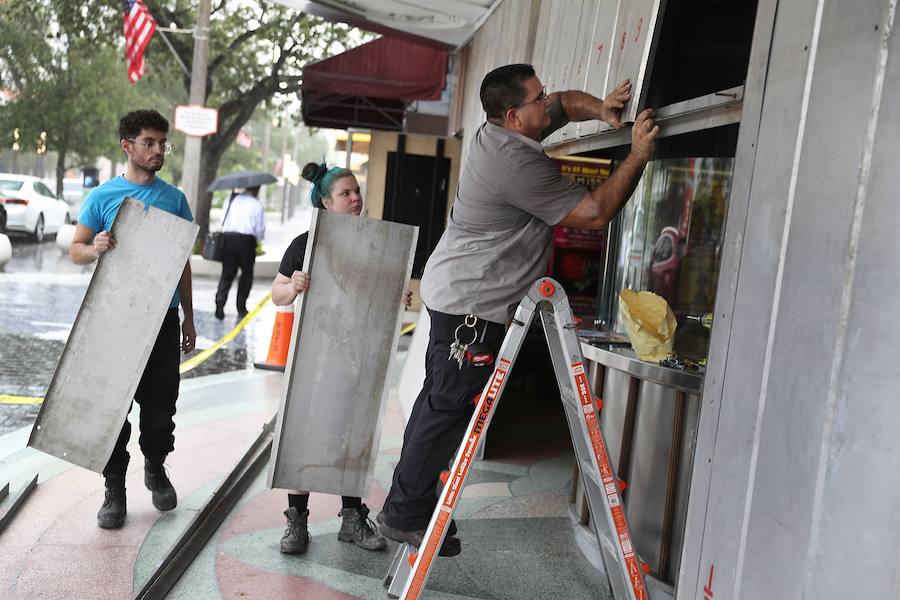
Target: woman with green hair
{"points": [[337, 190]]}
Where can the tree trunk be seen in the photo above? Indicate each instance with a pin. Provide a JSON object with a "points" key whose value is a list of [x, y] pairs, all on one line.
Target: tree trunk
{"points": [[60, 169], [209, 167]]}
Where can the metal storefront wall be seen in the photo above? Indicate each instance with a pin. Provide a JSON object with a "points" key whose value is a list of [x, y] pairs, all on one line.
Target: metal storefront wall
{"points": [[571, 45], [506, 37], [798, 436]]}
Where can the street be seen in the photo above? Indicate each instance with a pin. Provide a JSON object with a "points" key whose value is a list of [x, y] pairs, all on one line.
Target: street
{"points": [[40, 295]]}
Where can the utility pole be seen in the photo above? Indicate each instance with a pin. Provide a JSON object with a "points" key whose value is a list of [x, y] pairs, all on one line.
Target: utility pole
{"points": [[285, 182], [193, 145], [267, 138]]}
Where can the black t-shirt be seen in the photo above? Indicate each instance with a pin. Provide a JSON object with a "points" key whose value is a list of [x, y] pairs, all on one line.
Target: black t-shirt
{"points": [[293, 256]]}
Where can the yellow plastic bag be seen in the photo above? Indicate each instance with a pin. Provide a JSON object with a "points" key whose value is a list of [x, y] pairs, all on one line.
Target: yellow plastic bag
{"points": [[650, 324]]}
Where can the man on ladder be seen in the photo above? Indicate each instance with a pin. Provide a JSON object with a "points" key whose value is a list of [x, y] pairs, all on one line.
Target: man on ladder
{"points": [[497, 243]]}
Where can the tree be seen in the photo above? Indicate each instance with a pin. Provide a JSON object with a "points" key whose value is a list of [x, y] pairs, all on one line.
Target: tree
{"points": [[67, 76], [257, 53]]}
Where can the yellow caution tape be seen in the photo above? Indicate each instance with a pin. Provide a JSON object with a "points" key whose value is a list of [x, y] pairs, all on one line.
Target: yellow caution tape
{"points": [[186, 366], [20, 400], [195, 360]]}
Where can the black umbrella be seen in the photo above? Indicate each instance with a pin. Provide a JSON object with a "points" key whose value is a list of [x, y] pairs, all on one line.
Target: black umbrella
{"points": [[244, 179]]}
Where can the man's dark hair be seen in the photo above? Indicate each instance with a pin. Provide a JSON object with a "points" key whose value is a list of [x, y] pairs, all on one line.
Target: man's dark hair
{"points": [[502, 88], [130, 125]]}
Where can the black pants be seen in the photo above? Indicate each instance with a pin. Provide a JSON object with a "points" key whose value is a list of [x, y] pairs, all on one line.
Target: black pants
{"points": [[438, 420], [239, 250], [156, 394]]}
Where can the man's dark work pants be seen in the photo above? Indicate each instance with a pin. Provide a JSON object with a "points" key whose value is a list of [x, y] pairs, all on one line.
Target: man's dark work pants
{"points": [[156, 394], [239, 250], [438, 420]]}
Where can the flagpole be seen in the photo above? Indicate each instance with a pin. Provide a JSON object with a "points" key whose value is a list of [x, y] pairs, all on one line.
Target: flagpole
{"points": [[193, 145], [165, 38]]}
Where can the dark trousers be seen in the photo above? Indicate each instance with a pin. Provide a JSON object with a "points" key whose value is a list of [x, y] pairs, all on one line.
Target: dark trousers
{"points": [[239, 250], [438, 420], [156, 394], [303, 500]]}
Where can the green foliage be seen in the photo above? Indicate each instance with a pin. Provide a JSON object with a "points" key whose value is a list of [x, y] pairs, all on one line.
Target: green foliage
{"points": [[67, 77], [64, 61], [257, 51]]}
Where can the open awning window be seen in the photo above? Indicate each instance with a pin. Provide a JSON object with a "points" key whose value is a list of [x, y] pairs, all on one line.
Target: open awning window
{"points": [[371, 85]]}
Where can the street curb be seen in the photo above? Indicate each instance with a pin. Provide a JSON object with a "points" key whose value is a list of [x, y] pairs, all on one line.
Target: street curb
{"points": [[264, 269]]}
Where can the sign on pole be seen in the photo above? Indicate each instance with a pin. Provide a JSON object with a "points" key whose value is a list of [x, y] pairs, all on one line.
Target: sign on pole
{"points": [[196, 121]]}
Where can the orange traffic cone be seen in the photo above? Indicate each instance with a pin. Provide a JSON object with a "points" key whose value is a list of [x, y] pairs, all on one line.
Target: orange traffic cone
{"points": [[281, 340]]}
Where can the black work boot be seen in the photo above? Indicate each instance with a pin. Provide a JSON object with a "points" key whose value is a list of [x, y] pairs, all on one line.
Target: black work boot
{"points": [[112, 514], [156, 480], [296, 535], [358, 528]]}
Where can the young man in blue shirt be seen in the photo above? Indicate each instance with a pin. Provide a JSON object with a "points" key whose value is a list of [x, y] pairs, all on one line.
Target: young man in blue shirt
{"points": [[142, 136]]}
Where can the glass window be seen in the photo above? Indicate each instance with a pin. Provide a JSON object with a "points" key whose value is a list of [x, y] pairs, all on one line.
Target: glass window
{"points": [[670, 241], [43, 190], [10, 185]]}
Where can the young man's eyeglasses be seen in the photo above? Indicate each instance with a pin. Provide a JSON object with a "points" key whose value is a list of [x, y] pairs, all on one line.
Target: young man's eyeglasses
{"points": [[540, 98], [150, 145]]}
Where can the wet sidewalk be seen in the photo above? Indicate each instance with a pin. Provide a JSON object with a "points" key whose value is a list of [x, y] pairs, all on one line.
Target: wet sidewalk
{"points": [[514, 519]]}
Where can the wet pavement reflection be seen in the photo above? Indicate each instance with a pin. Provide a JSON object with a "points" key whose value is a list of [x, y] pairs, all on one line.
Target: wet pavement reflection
{"points": [[40, 294]]}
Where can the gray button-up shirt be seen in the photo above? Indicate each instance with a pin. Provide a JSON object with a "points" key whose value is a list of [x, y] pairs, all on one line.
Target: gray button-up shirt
{"points": [[497, 241]]}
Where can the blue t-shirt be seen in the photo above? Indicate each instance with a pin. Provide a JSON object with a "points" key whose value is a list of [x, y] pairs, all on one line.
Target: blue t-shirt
{"points": [[101, 206]]}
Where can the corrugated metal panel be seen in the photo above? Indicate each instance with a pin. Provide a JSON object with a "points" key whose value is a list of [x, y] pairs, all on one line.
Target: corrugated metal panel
{"points": [[112, 337], [584, 49], [633, 45], [598, 66], [563, 37], [543, 35], [329, 423], [503, 39], [588, 45]]}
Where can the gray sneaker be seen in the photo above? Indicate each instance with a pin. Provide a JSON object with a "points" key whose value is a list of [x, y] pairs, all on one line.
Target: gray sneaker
{"points": [[296, 535], [358, 528]]}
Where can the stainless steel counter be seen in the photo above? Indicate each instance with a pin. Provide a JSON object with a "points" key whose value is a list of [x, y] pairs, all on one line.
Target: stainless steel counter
{"points": [[649, 416], [623, 358]]}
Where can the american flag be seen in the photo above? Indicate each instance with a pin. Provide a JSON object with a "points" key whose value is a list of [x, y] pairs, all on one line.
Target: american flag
{"points": [[139, 28]]}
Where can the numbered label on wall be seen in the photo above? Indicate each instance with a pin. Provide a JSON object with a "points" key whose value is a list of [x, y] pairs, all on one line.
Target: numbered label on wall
{"points": [[632, 47], [592, 45], [582, 57], [598, 65]]}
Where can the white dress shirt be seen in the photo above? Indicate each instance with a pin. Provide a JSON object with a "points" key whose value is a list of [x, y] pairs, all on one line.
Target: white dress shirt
{"points": [[245, 215]]}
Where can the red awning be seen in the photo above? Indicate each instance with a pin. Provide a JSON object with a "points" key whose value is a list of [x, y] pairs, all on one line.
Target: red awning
{"points": [[385, 68], [368, 87]]}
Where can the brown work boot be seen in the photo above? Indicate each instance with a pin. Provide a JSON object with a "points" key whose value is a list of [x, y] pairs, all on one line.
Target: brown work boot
{"points": [[296, 535], [451, 546], [358, 528]]}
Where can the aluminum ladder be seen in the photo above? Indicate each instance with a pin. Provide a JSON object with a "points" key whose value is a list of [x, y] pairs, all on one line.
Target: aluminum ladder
{"points": [[409, 570]]}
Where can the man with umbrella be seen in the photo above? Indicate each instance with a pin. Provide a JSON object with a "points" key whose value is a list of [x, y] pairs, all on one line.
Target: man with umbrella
{"points": [[243, 226]]}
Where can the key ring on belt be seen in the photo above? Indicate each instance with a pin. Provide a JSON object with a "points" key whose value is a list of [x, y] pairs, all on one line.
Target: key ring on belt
{"points": [[474, 333]]}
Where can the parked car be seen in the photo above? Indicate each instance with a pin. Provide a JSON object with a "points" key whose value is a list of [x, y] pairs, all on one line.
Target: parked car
{"points": [[30, 207], [73, 195]]}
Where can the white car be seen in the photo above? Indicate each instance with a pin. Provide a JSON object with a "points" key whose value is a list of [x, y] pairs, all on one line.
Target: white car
{"points": [[73, 195], [27, 205]]}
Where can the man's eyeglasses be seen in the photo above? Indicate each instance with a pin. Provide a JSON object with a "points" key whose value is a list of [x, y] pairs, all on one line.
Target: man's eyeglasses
{"points": [[542, 97], [166, 148]]}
